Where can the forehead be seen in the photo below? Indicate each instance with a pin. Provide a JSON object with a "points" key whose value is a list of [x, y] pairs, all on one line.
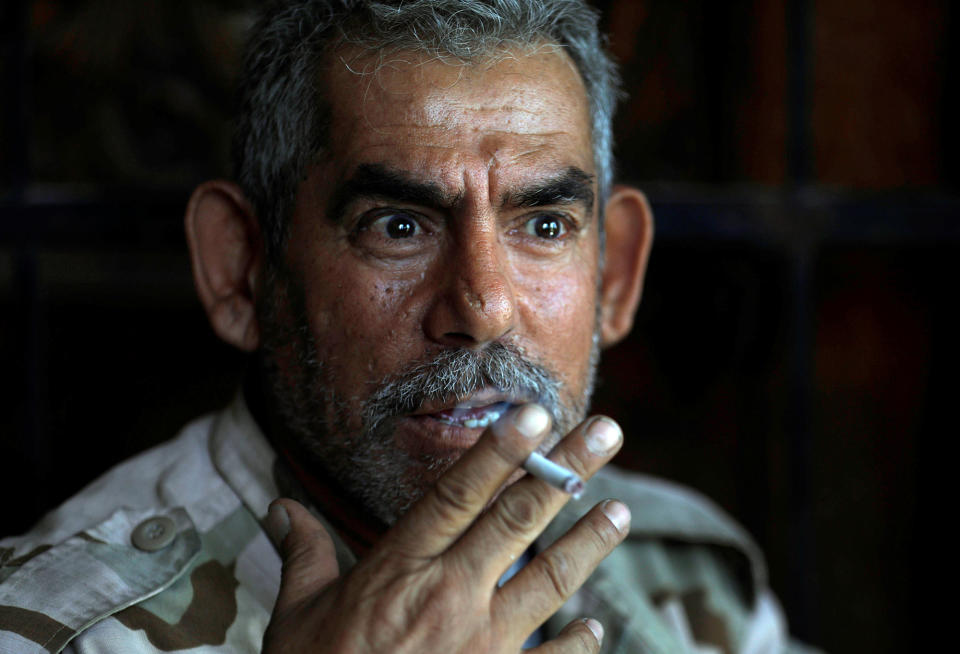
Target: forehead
{"points": [[520, 112]]}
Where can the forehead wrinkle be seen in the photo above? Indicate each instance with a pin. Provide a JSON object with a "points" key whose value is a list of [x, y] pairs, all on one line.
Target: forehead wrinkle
{"points": [[507, 131], [445, 128], [444, 123], [454, 123], [529, 153], [440, 109]]}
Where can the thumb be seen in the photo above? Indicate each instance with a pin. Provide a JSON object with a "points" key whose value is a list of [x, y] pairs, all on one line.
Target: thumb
{"points": [[309, 557]]}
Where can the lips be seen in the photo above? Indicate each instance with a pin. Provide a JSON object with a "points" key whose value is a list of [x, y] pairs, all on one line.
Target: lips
{"points": [[478, 410], [446, 428]]}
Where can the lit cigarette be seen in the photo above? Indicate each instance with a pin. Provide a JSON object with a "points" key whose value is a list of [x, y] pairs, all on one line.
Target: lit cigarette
{"points": [[556, 475]]}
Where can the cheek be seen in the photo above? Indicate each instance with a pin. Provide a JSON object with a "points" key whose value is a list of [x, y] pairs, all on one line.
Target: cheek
{"points": [[353, 311], [558, 311], [362, 323]]}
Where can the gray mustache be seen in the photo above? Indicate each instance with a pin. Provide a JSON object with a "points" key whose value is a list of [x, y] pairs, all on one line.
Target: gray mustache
{"points": [[459, 373]]}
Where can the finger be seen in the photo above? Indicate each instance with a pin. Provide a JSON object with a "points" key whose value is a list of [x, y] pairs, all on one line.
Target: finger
{"points": [[584, 635], [462, 493], [309, 557], [524, 510], [544, 584]]}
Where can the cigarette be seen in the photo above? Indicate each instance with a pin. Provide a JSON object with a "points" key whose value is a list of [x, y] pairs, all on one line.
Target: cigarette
{"points": [[556, 475]]}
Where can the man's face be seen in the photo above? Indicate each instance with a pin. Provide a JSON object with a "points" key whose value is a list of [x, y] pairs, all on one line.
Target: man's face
{"points": [[442, 264]]}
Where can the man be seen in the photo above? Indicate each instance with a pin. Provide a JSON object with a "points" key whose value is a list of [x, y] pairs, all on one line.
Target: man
{"points": [[425, 253]]}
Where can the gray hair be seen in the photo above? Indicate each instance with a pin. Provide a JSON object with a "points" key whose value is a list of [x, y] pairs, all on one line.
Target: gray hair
{"points": [[284, 118]]}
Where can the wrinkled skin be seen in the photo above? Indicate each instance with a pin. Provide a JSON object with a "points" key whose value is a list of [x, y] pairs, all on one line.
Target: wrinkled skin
{"points": [[429, 585], [470, 274], [480, 226]]}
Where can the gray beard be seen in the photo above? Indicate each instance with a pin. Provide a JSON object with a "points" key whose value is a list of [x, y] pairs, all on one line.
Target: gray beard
{"points": [[366, 463]]}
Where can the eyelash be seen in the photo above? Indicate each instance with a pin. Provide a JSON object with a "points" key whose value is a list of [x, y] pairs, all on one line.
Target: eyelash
{"points": [[368, 220], [565, 224], [526, 226]]}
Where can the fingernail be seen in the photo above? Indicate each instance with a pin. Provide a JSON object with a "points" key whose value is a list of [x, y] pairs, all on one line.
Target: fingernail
{"points": [[595, 627], [603, 435], [277, 524], [617, 513], [531, 420]]}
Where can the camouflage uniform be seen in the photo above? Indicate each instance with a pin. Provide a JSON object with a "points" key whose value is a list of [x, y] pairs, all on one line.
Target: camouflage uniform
{"points": [[166, 552]]}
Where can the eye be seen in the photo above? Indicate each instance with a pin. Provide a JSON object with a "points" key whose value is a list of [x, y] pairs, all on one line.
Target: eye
{"points": [[396, 225], [546, 226]]}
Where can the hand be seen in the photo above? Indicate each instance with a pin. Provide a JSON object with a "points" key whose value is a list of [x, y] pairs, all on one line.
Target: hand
{"points": [[430, 583]]}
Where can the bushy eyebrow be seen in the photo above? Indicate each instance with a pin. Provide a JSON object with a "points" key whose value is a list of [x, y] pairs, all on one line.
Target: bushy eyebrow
{"points": [[572, 186], [375, 180], [383, 182]]}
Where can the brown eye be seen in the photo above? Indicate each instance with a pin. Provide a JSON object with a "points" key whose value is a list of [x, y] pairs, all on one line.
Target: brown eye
{"points": [[401, 227], [546, 226], [396, 225]]}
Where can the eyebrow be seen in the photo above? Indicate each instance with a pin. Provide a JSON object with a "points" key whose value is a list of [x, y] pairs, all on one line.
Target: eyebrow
{"points": [[375, 180], [572, 186], [380, 181]]}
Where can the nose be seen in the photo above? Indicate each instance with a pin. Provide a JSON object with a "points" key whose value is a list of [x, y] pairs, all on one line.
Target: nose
{"points": [[475, 302]]}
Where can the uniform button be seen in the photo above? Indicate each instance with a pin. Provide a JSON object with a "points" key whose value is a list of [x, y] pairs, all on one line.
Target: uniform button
{"points": [[154, 533]]}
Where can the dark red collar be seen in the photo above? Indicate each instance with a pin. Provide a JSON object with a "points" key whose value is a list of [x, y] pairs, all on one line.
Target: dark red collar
{"points": [[354, 524]]}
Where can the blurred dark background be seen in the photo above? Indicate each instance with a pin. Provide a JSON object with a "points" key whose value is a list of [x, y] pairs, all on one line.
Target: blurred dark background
{"points": [[795, 349]]}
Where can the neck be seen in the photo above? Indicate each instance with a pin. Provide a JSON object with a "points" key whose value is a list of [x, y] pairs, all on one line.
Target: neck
{"points": [[355, 525], [353, 522]]}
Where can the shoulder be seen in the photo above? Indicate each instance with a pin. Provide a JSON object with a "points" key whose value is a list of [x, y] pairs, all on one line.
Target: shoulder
{"points": [[668, 512], [687, 572], [51, 591], [662, 508], [151, 479], [137, 556]]}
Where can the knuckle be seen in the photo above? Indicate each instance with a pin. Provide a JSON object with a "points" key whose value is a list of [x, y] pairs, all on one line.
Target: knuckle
{"points": [[519, 513], [297, 556], [560, 572], [602, 534], [441, 598], [456, 495], [572, 460]]}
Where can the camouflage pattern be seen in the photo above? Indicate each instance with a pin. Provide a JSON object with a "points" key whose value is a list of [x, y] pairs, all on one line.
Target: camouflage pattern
{"points": [[687, 580]]}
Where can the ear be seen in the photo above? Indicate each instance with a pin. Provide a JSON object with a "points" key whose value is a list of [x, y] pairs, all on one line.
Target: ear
{"points": [[227, 259], [629, 234]]}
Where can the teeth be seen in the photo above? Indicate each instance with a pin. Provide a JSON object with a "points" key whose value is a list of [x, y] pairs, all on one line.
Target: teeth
{"points": [[483, 422]]}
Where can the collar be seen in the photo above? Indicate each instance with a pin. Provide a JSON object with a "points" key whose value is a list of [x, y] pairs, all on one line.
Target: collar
{"points": [[248, 463], [660, 509], [243, 456]]}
